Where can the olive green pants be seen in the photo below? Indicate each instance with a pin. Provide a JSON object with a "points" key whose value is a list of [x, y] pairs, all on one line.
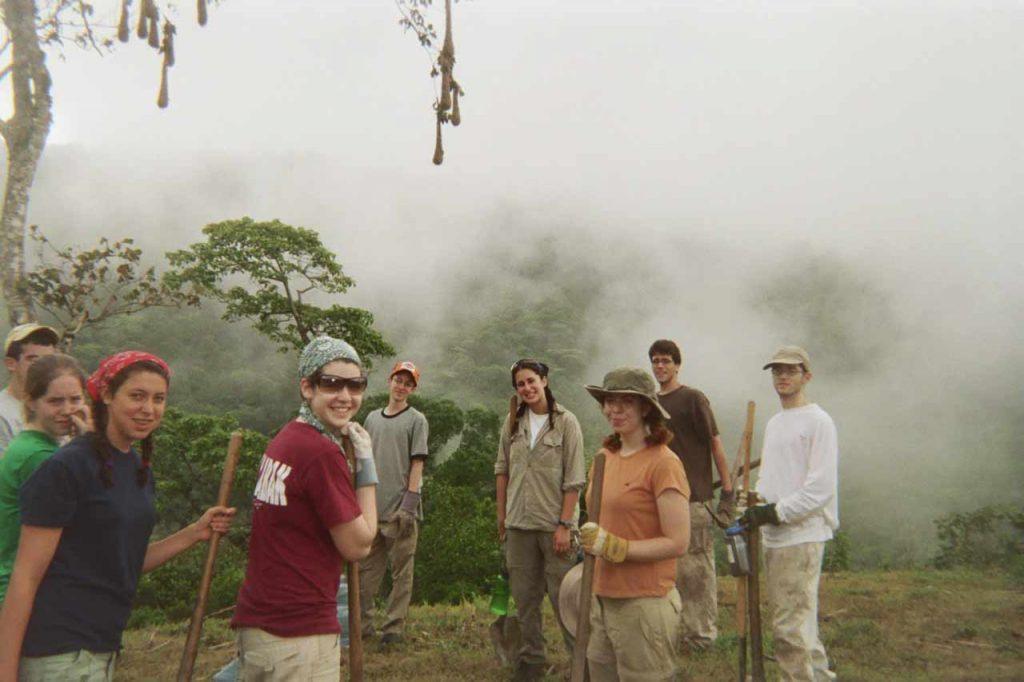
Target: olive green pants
{"points": [[697, 583], [400, 553], [533, 569]]}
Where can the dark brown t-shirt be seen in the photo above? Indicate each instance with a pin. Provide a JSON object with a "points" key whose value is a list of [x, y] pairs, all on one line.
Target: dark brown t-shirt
{"points": [[693, 426]]}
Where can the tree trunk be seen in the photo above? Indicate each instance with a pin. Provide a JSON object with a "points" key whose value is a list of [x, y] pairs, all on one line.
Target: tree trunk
{"points": [[24, 134]]}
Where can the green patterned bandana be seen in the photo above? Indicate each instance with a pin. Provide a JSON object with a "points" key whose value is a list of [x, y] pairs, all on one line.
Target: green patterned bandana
{"points": [[319, 352]]}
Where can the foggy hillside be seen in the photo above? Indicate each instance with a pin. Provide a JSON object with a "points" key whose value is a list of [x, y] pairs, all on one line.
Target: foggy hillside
{"points": [[843, 176]]}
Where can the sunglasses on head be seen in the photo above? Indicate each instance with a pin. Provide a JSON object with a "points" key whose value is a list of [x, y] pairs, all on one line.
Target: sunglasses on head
{"points": [[536, 365], [331, 383]]}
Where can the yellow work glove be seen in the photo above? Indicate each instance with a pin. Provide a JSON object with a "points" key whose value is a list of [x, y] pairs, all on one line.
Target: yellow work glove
{"points": [[599, 542]]}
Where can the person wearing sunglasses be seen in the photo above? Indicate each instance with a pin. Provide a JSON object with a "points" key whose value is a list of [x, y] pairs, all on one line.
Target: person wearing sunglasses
{"points": [[399, 432], [540, 472], [307, 519], [799, 485]]}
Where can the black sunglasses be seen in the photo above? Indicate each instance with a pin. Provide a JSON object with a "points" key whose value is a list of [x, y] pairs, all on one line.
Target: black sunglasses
{"points": [[331, 384]]}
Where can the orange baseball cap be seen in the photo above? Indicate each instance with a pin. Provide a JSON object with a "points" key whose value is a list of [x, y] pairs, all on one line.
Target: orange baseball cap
{"points": [[406, 366]]}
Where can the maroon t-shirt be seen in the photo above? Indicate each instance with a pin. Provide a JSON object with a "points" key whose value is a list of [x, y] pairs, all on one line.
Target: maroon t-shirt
{"points": [[304, 488]]}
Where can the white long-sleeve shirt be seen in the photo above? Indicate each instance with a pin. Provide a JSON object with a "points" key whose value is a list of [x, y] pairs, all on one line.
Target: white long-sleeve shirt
{"points": [[800, 473]]}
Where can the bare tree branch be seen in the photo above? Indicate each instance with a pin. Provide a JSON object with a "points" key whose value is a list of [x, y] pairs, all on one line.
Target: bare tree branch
{"points": [[6, 71], [88, 34]]}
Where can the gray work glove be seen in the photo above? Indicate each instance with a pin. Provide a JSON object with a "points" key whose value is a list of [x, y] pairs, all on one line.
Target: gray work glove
{"points": [[727, 505], [405, 516], [366, 468]]}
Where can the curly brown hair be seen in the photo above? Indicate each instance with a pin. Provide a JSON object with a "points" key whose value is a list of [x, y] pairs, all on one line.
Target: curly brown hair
{"points": [[657, 432]]}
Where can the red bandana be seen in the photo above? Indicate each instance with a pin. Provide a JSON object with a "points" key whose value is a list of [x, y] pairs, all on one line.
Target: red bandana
{"points": [[112, 366]]}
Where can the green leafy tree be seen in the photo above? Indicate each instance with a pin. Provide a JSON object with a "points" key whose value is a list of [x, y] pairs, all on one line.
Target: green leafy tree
{"points": [[78, 288], [472, 464], [282, 268], [189, 460]]}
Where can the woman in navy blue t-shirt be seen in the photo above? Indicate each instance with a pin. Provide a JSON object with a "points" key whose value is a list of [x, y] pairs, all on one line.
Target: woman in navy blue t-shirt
{"points": [[87, 514]]}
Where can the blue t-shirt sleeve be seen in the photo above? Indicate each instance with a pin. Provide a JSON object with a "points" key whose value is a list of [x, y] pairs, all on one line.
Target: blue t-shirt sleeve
{"points": [[49, 497]]}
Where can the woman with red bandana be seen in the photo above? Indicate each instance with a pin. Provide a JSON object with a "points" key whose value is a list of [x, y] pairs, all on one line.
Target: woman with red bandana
{"points": [[87, 515]]}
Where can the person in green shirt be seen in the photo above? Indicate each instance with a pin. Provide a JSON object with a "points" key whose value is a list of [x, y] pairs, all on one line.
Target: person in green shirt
{"points": [[55, 408]]}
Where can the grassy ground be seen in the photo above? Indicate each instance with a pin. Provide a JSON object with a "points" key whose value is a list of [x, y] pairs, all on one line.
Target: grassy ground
{"points": [[905, 625]]}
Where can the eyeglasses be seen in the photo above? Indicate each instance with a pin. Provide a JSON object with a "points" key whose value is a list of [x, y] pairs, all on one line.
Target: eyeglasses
{"points": [[536, 365], [786, 370], [333, 384]]}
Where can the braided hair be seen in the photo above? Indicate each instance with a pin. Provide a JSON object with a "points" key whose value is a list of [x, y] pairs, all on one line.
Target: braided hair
{"points": [[516, 410], [102, 447]]}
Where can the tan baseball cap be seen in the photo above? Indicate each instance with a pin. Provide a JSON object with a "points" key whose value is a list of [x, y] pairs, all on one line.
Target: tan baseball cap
{"points": [[790, 355], [23, 331]]}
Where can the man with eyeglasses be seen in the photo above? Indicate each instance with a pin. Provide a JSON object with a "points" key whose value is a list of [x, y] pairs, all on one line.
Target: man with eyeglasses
{"points": [[399, 433], [799, 485], [696, 442]]}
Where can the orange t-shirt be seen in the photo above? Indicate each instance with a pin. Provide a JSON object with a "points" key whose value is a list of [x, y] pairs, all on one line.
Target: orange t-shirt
{"points": [[629, 509]]}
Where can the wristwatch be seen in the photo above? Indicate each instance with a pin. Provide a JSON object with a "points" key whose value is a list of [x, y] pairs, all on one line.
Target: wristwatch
{"points": [[567, 524]]}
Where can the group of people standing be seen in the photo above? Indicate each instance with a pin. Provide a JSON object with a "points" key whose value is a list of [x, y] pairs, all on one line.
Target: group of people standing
{"points": [[654, 586], [77, 512]]}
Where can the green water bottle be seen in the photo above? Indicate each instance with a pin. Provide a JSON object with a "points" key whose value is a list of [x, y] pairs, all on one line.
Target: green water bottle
{"points": [[499, 595]]}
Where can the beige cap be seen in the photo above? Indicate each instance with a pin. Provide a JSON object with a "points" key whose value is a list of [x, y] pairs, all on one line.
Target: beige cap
{"points": [[790, 355], [23, 331], [569, 598]]}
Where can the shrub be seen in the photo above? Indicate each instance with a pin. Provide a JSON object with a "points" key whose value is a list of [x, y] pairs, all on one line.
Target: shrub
{"points": [[458, 552], [985, 537], [837, 553], [190, 453]]}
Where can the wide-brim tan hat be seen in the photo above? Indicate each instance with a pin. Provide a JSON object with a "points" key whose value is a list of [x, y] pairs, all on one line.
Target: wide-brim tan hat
{"points": [[628, 381], [790, 355], [569, 598]]}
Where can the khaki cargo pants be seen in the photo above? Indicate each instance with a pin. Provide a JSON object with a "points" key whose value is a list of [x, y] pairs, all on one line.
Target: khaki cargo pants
{"points": [[388, 548], [633, 640], [696, 582], [74, 666], [268, 658], [791, 579], [533, 569]]}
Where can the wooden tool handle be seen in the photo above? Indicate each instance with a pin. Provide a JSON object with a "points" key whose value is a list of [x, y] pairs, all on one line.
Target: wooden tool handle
{"points": [[195, 628], [355, 615], [579, 651]]}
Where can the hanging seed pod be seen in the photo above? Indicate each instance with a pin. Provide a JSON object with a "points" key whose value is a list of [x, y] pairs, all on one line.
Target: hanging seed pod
{"points": [[201, 11], [446, 60], [154, 32], [167, 46], [456, 117], [446, 91], [162, 100], [438, 149], [123, 31], [142, 31]]}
